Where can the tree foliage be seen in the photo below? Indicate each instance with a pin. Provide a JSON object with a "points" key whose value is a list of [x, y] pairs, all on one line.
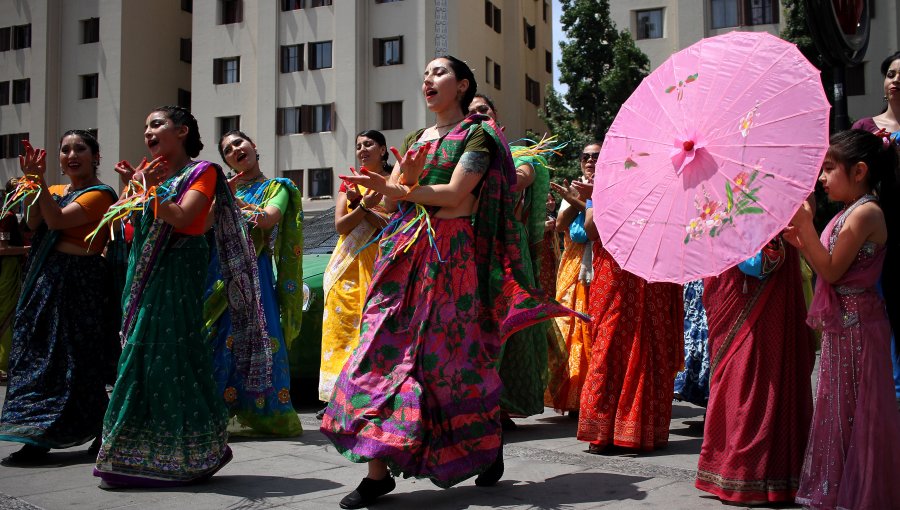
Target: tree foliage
{"points": [[601, 66]]}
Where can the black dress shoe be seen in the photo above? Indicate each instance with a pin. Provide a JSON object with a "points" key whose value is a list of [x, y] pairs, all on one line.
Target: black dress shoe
{"points": [[368, 491], [94, 448], [321, 413], [493, 474], [507, 424], [29, 454]]}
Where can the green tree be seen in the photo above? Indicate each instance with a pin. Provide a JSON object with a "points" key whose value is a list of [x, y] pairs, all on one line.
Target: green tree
{"points": [[601, 67]]}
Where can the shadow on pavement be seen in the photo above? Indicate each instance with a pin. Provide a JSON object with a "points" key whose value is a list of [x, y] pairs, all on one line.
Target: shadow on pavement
{"points": [[557, 493]]}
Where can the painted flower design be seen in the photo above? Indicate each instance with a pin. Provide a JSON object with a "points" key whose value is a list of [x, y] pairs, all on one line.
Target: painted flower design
{"points": [[713, 216], [284, 396], [230, 394], [629, 161], [679, 87], [229, 342], [260, 401], [290, 286], [298, 250], [747, 120], [276, 345]]}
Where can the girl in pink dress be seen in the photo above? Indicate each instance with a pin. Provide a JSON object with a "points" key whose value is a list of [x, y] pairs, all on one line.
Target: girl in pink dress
{"points": [[853, 454]]}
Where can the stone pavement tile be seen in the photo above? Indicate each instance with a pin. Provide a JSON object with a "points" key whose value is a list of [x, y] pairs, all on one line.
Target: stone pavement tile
{"points": [[21, 482], [676, 496], [287, 465]]}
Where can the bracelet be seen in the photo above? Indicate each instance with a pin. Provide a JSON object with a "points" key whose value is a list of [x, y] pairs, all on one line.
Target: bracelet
{"points": [[410, 189], [362, 205]]}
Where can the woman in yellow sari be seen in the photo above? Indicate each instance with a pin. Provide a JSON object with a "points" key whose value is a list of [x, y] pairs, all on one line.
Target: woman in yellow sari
{"points": [[358, 218], [572, 285]]}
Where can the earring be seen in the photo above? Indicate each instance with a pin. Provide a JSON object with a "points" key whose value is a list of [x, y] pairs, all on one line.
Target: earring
{"points": [[884, 98], [257, 156], [96, 164]]}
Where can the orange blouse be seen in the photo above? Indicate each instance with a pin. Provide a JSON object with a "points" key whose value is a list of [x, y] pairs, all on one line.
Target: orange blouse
{"points": [[206, 184], [95, 204]]}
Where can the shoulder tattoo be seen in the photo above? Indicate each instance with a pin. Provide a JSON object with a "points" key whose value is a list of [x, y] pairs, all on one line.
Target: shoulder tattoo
{"points": [[475, 162]]}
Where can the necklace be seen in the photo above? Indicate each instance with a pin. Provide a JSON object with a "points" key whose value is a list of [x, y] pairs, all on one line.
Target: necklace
{"points": [[448, 124]]}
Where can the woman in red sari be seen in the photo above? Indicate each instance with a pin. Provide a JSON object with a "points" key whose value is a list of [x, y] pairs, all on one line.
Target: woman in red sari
{"points": [[760, 399], [637, 330]]}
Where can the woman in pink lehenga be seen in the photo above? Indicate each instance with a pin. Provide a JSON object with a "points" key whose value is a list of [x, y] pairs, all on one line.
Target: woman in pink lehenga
{"points": [[853, 455]]}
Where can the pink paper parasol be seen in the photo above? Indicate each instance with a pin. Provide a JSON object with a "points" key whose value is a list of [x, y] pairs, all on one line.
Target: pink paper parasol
{"points": [[710, 157]]}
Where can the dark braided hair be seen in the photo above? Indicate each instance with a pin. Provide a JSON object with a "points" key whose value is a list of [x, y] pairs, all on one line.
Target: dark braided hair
{"points": [[463, 72], [857, 145], [181, 116], [380, 140]]}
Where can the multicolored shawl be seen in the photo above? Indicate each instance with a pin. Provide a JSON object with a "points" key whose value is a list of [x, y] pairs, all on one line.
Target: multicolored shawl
{"points": [[285, 242], [498, 243], [45, 239], [252, 350]]}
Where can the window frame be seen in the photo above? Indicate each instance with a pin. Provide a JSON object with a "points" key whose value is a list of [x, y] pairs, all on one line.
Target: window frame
{"points": [[391, 115], [15, 93], [186, 50], [90, 30], [221, 71], [5, 93], [313, 60], [6, 39], [291, 5], [287, 59], [90, 84], [314, 183], [638, 36], [223, 124], [231, 12], [282, 115], [21, 32], [379, 51]]}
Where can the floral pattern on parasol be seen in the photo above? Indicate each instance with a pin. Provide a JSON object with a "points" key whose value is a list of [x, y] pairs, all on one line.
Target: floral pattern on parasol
{"points": [[710, 157]]}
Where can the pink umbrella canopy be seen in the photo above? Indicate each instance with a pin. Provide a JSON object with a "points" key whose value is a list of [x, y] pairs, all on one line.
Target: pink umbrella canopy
{"points": [[710, 157]]}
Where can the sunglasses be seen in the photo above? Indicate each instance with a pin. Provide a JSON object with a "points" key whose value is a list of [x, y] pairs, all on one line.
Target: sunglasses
{"points": [[482, 108], [587, 156]]}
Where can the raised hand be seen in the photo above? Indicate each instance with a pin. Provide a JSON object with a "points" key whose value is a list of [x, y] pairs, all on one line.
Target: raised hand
{"points": [[34, 161], [412, 164], [372, 199], [566, 191], [584, 189], [153, 172], [125, 170]]}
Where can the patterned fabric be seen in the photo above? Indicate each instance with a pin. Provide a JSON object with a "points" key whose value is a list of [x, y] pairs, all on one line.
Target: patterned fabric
{"points": [[692, 383], [345, 284], [523, 360], [62, 351], [269, 412], [567, 371], [166, 423], [637, 350], [421, 391], [760, 404], [853, 455]]}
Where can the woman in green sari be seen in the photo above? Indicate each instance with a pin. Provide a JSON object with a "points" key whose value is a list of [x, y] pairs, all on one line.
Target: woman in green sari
{"points": [[166, 424]]}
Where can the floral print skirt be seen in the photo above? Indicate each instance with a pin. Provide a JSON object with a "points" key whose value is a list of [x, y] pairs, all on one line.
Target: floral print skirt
{"points": [[421, 391]]}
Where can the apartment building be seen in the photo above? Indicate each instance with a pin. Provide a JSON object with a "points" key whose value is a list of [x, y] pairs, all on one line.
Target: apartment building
{"points": [[302, 77], [663, 27], [100, 65]]}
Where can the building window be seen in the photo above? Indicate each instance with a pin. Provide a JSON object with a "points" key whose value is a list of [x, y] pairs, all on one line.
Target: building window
{"points": [[492, 17], [392, 115], [187, 5], [496, 76], [320, 55], [389, 51], [90, 83], [320, 182], [649, 24], [184, 98], [530, 36], [288, 121], [386, 1], [532, 91], [21, 37], [90, 30], [291, 5], [488, 69], [21, 91], [226, 124], [733, 13], [185, 50], [546, 13], [4, 93], [11, 145], [320, 118], [292, 58], [5, 37], [226, 70], [231, 11], [319, 3], [296, 176], [548, 61]]}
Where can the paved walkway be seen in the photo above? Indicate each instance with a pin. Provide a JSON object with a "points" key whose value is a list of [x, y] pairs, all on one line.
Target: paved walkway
{"points": [[546, 468]]}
